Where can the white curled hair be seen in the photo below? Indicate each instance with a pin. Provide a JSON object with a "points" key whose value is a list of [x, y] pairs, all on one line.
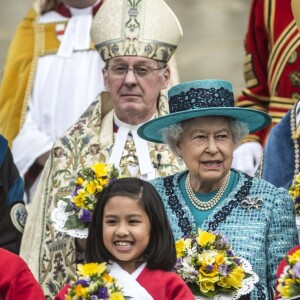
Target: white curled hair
{"points": [[171, 135]]}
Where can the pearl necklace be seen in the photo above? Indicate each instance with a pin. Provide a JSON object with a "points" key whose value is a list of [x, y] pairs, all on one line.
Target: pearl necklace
{"points": [[203, 205]]}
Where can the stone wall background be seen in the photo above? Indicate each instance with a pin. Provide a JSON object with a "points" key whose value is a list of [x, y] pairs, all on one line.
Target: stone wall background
{"points": [[212, 45]]}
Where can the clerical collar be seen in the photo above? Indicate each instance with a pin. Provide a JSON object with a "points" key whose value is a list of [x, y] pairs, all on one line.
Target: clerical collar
{"points": [[120, 123], [142, 150]]}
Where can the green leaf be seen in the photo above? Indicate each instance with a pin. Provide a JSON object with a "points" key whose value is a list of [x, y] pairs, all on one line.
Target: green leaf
{"points": [[69, 207], [73, 222]]}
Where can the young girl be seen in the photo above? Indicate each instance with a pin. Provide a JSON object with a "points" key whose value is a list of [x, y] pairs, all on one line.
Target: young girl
{"points": [[131, 232]]}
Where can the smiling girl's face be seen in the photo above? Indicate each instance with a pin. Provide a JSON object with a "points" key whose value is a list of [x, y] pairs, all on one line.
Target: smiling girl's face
{"points": [[126, 231]]}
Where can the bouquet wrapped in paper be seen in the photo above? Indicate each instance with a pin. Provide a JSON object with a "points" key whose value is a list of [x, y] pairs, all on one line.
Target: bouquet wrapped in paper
{"points": [[208, 265], [74, 213]]}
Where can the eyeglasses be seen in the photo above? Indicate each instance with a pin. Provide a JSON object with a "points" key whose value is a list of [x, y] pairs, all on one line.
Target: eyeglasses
{"points": [[120, 71]]}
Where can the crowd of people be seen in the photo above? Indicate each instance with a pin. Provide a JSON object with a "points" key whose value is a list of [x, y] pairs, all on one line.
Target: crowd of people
{"points": [[97, 82]]}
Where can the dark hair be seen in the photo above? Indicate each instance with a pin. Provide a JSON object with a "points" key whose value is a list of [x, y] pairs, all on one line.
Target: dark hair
{"points": [[160, 253]]}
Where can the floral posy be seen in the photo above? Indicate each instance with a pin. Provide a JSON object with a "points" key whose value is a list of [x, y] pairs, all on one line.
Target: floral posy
{"points": [[93, 281], [73, 213], [206, 262], [90, 181], [289, 280]]}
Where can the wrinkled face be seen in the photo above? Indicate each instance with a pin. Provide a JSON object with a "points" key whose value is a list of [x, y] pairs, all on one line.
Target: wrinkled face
{"points": [[126, 231], [206, 146], [134, 97], [80, 3]]}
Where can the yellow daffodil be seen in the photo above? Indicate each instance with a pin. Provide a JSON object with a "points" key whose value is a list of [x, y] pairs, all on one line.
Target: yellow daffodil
{"points": [[205, 238], [79, 200], [107, 278], [100, 169], [79, 181], [91, 268], [219, 259], [284, 290], [80, 291], [209, 272], [208, 257], [294, 257], [116, 296], [103, 181], [180, 247], [91, 187]]}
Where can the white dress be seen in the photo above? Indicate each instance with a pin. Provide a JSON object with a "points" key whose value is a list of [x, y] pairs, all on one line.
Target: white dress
{"points": [[65, 85]]}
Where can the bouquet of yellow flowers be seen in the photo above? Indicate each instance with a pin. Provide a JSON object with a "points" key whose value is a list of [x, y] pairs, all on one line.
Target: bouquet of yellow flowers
{"points": [[74, 213], [208, 265], [93, 281], [289, 281], [294, 191]]}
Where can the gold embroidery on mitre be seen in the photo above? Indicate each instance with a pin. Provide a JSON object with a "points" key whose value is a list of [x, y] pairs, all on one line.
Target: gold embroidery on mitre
{"points": [[146, 28]]}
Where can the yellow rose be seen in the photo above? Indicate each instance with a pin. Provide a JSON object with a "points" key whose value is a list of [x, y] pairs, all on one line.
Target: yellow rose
{"points": [[233, 279], [205, 238], [207, 284]]}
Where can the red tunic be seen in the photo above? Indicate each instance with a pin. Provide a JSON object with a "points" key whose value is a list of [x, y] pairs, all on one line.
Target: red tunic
{"points": [[16, 280], [159, 284], [272, 61]]}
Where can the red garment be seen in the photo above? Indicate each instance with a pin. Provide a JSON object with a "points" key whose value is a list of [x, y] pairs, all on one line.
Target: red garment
{"points": [[159, 284], [163, 285], [272, 61], [63, 10], [16, 280], [281, 266]]}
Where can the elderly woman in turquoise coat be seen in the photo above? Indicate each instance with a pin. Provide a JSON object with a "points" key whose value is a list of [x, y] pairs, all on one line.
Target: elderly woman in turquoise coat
{"points": [[203, 128]]}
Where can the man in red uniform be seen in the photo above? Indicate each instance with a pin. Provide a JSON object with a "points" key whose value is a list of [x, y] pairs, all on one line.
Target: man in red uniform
{"points": [[271, 71], [16, 280]]}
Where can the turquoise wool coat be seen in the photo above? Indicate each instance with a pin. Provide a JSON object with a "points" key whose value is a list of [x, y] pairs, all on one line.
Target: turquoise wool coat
{"points": [[262, 234]]}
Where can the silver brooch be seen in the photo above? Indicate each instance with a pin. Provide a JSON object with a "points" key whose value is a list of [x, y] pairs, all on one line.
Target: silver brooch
{"points": [[252, 202]]}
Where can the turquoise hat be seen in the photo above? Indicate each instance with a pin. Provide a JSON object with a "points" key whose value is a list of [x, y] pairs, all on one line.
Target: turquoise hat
{"points": [[202, 98]]}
